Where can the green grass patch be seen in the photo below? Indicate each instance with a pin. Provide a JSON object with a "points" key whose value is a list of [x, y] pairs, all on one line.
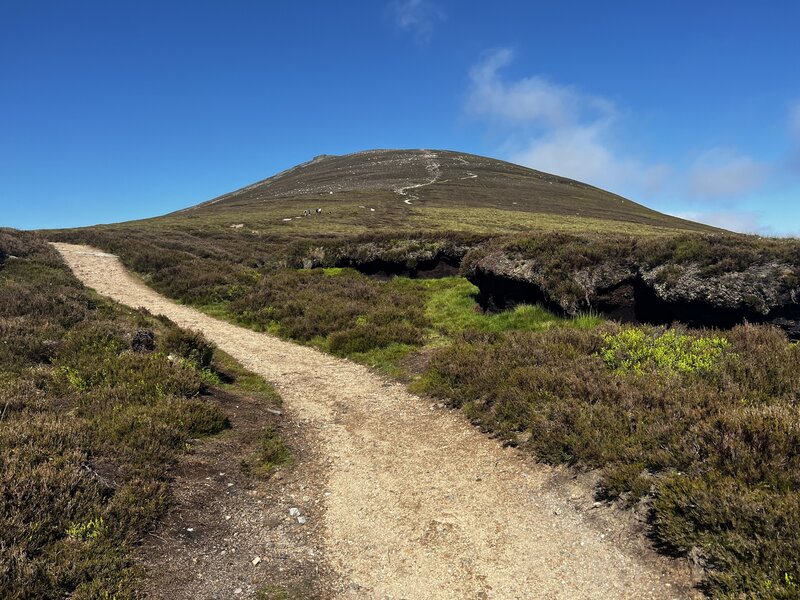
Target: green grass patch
{"points": [[235, 378], [272, 453], [452, 308], [387, 360]]}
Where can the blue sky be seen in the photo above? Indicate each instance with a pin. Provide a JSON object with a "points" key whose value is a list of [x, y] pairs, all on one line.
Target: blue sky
{"points": [[118, 110]]}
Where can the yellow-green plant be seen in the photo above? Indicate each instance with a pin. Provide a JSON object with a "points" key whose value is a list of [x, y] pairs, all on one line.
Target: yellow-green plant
{"points": [[637, 351], [89, 530]]}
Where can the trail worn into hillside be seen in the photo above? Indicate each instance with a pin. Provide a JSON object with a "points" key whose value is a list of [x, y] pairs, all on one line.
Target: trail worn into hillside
{"points": [[415, 503]]}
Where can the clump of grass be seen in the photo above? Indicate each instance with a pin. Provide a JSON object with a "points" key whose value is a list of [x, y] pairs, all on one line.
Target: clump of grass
{"points": [[278, 592], [272, 453]]}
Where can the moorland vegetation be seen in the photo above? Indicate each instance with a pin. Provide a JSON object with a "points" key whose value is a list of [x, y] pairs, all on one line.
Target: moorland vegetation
{"points": [[698, 429], [97, 402]]}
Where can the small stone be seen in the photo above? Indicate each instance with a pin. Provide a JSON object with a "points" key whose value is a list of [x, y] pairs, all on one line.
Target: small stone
{"points": [[237, 591], [256, 560], [294, 512], [301, 520]]}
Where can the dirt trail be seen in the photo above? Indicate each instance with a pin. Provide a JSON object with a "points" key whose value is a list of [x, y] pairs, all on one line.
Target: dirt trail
{"points": [[417, 504], [433, 169]]}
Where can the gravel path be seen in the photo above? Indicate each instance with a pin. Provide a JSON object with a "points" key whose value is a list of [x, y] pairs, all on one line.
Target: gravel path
{"points": [[416, 503]]}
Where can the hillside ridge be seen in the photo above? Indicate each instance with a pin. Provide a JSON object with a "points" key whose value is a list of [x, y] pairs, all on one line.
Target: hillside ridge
{"points": [[433, 178]]}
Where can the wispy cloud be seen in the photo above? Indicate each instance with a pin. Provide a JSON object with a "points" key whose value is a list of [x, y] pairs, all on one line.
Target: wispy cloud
{"points": [[419, 17], [564, 130], [794, 121], [556, 128], [742, 221], [723, 174]]}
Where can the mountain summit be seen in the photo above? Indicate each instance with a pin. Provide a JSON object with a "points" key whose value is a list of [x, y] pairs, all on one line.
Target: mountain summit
{"points": [[423, 179]]}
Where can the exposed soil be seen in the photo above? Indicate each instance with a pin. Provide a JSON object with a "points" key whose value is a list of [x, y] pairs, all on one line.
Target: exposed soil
{"points": [[404, 499], [231, 534]]}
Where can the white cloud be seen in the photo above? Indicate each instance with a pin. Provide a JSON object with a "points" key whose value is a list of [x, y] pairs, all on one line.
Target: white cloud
{"points": [[580, 153], [533, 99], [741, 221], [563, 130], [419, 17], [721, 173]]}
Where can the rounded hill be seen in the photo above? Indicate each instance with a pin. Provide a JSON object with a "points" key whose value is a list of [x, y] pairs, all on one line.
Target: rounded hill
{"points": [[405, 184]]}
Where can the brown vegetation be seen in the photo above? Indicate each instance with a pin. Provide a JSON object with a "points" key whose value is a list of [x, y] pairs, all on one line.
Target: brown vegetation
{"points": [[713, 451], [97, 402]]}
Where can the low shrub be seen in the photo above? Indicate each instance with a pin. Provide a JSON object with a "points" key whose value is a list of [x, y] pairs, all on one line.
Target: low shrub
{"points": [[90, 421], [705, 423], [190, 345]]}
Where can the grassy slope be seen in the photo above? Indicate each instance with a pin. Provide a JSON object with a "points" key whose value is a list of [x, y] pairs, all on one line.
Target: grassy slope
{"points": [[93, 413], [352, 184]]}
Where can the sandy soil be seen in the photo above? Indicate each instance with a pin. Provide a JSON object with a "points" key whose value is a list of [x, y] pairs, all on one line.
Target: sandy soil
{"points": [[415, 503]]}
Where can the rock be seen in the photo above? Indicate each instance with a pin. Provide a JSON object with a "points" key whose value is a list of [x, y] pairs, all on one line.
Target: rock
{"points": [[256, 561], [302, 520], [294, 512]]}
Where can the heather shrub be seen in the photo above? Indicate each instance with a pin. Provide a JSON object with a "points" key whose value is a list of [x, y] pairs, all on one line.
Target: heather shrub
{"points": [[190, 345], [354, 313], [88, 427], [363, 338], [704, 423]]}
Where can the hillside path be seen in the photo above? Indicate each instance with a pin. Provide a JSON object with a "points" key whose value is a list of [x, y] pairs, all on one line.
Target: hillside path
{"points": [[418, 504]]}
